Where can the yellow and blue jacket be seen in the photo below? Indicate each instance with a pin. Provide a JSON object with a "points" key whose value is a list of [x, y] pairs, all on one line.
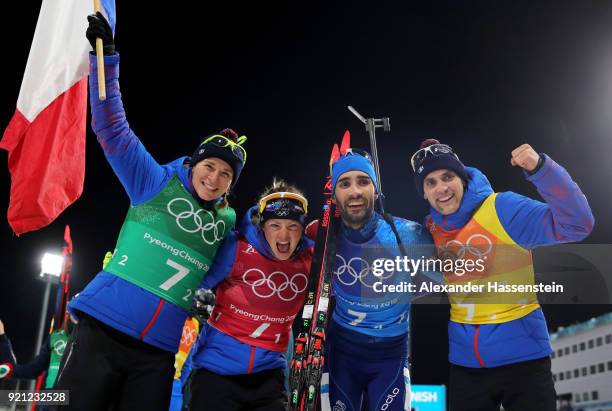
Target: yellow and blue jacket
{"points": [[488, 329]]}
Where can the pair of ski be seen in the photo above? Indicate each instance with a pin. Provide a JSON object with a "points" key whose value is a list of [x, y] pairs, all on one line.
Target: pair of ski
{"points": [[306, 367]]}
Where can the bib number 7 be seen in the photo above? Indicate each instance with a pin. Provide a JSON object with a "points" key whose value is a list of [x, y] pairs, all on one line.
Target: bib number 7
{"points": [[181, 272], [360, 317]]}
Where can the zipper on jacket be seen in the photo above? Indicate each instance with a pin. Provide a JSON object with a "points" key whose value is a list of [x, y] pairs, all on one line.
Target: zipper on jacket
{"points": [[478, 357], [148, 327], [251, 360]]}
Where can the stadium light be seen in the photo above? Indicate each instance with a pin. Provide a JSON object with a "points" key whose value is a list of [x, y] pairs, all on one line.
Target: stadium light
{"points": [[51, 264]]}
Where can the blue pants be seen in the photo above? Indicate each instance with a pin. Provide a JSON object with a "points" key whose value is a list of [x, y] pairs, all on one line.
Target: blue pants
{"points": [[362, 368]]}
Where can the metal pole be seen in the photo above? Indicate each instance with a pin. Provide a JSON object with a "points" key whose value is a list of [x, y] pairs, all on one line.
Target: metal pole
{"points": [[371, 128], [371, 125], [42, 323]]}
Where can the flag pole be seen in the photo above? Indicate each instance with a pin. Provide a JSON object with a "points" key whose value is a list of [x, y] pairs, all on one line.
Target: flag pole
{"points": [[100, 58]]}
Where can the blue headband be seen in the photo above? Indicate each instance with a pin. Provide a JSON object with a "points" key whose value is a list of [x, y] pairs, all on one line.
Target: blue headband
{"points": [[352, 162]]}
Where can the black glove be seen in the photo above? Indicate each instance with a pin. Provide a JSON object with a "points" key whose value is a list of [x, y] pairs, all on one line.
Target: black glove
{"points": [[204, 302], [99, 27]]}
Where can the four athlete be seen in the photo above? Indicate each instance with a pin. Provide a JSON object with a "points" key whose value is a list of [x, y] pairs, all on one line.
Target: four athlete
{"points": [[178, 236]]}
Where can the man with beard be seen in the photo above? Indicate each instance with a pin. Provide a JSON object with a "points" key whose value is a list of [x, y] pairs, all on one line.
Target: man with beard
{"points": [[368, 335]]}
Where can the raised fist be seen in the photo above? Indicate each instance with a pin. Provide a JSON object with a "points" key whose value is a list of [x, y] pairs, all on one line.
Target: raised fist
{"points": [[525, 157]]}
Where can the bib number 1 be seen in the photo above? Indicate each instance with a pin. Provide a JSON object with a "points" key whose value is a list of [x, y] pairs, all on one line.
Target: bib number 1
{"points": [[259, 330]]}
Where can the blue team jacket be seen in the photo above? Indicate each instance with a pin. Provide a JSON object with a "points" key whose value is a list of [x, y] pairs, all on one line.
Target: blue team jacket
{"points": [[108, 298], [565, 216], [363, 314]]}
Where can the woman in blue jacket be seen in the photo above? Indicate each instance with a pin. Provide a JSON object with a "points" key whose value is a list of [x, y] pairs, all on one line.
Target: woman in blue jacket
{"points": [[260, 275], [131, 314]]}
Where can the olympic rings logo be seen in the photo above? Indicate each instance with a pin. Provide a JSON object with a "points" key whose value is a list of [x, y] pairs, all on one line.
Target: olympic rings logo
{"points": [[356, 272], [189, 336], [211, 232], [478, 249], [284, 287], [59, 346]]}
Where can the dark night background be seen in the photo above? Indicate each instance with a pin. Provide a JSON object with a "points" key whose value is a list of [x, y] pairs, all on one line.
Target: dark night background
{"points": [[482, 76]]}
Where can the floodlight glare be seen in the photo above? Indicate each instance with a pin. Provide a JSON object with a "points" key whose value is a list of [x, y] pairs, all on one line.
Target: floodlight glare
{"points": [[51, 264]]}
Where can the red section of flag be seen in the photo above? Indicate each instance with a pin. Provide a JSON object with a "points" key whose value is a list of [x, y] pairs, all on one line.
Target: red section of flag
{"points": [[46, 160]]}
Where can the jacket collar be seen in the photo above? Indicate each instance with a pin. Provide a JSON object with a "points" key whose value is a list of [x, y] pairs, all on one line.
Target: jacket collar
{"points": [[364, 233]]}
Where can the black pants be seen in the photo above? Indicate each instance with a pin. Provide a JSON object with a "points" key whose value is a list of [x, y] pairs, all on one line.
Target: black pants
{"points": [[262, 391], [524, 386], [106, 369]]}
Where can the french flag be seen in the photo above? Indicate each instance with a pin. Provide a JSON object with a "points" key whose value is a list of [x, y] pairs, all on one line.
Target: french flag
{"points": [[45, 138]]}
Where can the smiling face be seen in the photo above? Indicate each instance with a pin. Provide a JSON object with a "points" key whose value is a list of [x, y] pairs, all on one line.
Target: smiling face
{"points": [[444, 191], [211, 178], [283, 236], [354, 195]]}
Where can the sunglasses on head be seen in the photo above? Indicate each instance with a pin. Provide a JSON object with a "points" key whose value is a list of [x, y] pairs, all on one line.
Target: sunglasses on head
{"points": [[356, 151], [268, 201], [432, 150], [221, 141], [353, 152]]}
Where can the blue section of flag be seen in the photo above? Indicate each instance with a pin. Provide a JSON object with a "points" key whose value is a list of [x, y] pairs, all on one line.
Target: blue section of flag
{"points": [[110, 11]]}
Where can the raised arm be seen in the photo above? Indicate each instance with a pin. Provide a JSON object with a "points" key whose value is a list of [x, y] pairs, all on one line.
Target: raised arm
{"points": [[564, 216], [137, 170]]}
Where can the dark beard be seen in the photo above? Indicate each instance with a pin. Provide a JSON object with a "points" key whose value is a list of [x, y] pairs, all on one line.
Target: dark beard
{"points": [[354, 220]]}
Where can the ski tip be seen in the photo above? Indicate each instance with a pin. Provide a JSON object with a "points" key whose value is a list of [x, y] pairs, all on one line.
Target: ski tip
{"points": [[335, 155], [346, 142], [67, 239]]}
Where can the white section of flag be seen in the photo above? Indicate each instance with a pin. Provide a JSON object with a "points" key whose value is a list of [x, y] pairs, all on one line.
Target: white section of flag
{"points": [[58, 56]]}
